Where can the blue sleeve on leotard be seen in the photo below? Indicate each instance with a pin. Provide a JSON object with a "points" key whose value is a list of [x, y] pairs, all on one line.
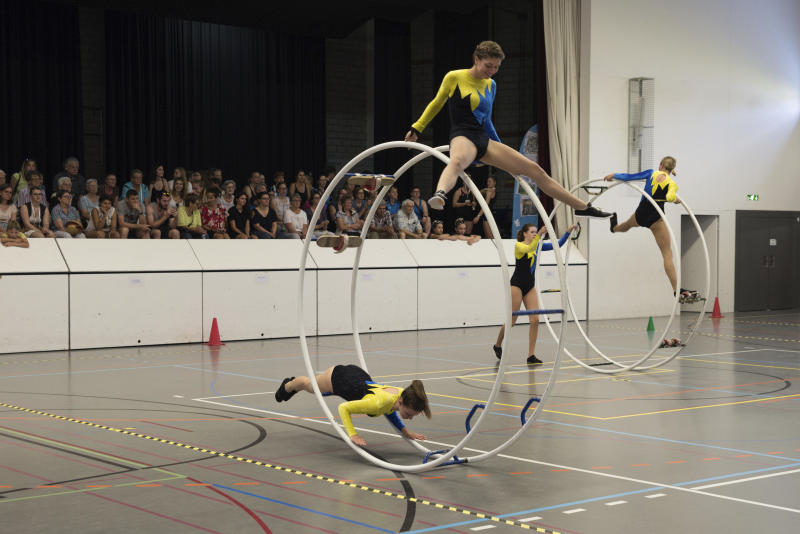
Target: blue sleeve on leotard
{"points": [[644, 175], [395, 420], [549, 246]]}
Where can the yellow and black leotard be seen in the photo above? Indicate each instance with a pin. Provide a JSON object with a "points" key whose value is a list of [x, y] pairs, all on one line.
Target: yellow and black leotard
{"points": [[364, 396], [470, 103], [659, 186], [524, 276]]}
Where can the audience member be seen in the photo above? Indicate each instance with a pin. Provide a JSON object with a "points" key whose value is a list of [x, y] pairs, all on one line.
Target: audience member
{"points": [[12, 237], [213, 216], [260, 188], [33, 179], [334, 206], [228, 198], [179, 191], [103, 219], [215, 176], [264, 222], [162, 218], [8, 211], [19, 180], [64, 184], [490, 195], [382, 225], [189, 223], [406, 222], [295, 220], [360, 201], [421, 210], [347, 220], [462, 234], [250, 189], [239, 218], [131, 219], [66, 219], [135, 184], [178, 172], [322, 223], [437, 232], [88, 201], [3, 177], [392, 201], [196, 185], [71, 168], [110, 186], [35, 215], [300, 187], [280, 204], [277, 179], [322, 184], [464, 205], [158, 185]]}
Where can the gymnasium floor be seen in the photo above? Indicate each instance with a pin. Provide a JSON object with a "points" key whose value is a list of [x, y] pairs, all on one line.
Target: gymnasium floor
{"points": [[166, 439]]}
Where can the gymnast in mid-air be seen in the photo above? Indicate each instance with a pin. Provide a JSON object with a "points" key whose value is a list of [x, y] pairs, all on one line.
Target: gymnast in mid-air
{"points": [[363, 396], [470, 95], [523, 282], [661, 188]]}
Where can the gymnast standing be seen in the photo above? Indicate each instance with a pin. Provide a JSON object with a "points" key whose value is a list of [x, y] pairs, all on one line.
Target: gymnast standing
{"points": [[470, 94], [661, 188], [523, 282], [364, 396]]}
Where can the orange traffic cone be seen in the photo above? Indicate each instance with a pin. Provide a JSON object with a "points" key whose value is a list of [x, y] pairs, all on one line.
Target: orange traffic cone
{"points": [[717, 314], [213, 338]]}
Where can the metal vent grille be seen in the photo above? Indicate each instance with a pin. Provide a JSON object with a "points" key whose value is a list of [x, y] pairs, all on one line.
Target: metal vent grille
{"points": [[641, 116]]}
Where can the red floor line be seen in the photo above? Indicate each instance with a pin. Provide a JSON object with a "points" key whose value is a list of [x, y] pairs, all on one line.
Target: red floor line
{"points": [[249, 512], [293, 521]]}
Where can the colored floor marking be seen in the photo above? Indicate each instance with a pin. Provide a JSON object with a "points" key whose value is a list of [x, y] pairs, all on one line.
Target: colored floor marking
{"points": [[719, 362], [87, 489], [574, 511], [728, 483], [484, 527], [655, 496], [615, 503]]}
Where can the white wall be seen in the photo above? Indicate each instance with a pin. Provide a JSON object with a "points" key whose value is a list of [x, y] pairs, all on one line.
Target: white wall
{"points": [[727, 105]]}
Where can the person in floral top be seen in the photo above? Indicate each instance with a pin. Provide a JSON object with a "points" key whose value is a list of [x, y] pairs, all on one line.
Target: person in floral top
{"points": [[214, 216]]}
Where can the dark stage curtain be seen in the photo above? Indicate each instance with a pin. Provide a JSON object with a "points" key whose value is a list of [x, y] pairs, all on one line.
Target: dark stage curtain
{"points": [[201, 95], [392, 95], [40, 90], [540, 96]]}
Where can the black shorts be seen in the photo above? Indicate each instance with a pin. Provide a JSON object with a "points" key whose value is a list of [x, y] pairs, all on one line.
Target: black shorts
{"points": [[525, 284], [350, 382], [646, 215], [477, 136]]}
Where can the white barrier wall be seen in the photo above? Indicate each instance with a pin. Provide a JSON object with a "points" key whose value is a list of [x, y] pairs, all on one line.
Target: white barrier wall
{"points": [[34, 296], [387, 288], [251, 288], [132, 292]]}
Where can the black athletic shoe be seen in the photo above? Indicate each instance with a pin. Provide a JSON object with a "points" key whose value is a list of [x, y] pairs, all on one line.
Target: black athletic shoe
{"points": [[498, 351], [591, 211], [613, 221], [533, 360], [281, 394], [438, 200]]}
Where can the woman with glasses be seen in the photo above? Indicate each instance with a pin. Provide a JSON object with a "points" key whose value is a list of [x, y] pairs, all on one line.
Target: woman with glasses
{"points": [[8, 211], [35, 215], [66, 218]]}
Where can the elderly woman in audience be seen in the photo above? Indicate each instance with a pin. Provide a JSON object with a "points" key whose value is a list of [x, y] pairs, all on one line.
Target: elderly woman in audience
{"points": [[8, 211], [131, 218], [110, 187], [89, 201], [347, 219], [103, 219], [189, 222], [19, 180], [12, 237], [264, 222], [406, 222], [62, 184], [33, 178], [213, 216], [295, 220], [228, 198], [35, 215], [239, 218], [179, 191], [382, 226], [66, 219], [300, 187], [162, 218]]}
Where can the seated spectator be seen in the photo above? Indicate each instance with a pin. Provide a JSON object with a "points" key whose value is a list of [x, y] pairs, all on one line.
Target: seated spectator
{"points": [[392, 202], [421, 210], [88, 201], [162, 218], [12, 237], [178, 172], [322, 223], [158, 185], [250, 188], [103, 219], [196, 185], [300, 187], [34, 179], [179, 190], [3, 177], [227, 199], [76, 179], [406, 222], [295, 220], [382, 226], [490, 195], [66, 219], [35, 215], [19, 181], [322, 185], [281, 202], [131, 219], [361, 202], [213, 216], [334, 206], [277, 179], [264, 222], [437, 232], [239, 218], [8, 211], [63, 184], [136, 184], [189, 223], [464, 205], [347, 220], [260, 188], [110, 186]]}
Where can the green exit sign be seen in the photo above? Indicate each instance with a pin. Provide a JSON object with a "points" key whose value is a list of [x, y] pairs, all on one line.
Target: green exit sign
{"points": [[752, 197]]}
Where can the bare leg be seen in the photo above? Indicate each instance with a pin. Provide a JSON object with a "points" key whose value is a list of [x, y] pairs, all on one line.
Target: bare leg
{"points": [[532, 303], [302, 383], [516, 302], [627, 225], [487, 230], [661, 234], [508, 159], [462, 154]]}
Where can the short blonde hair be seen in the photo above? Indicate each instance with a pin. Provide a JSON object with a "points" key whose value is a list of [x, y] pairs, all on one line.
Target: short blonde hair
{"points": [[488, 49], [669, 164]]}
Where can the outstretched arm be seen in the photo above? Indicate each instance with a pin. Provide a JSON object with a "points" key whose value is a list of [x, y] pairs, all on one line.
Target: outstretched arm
{"points": [[644, 175]]}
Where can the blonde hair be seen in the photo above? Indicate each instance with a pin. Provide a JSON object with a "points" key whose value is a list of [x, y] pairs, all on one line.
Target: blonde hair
{"points": [[669, 164], [488, 49], [414, 397]]}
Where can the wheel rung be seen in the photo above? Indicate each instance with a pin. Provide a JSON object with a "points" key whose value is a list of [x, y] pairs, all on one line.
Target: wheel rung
{"points": [[537, 312], [367, 175]]}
